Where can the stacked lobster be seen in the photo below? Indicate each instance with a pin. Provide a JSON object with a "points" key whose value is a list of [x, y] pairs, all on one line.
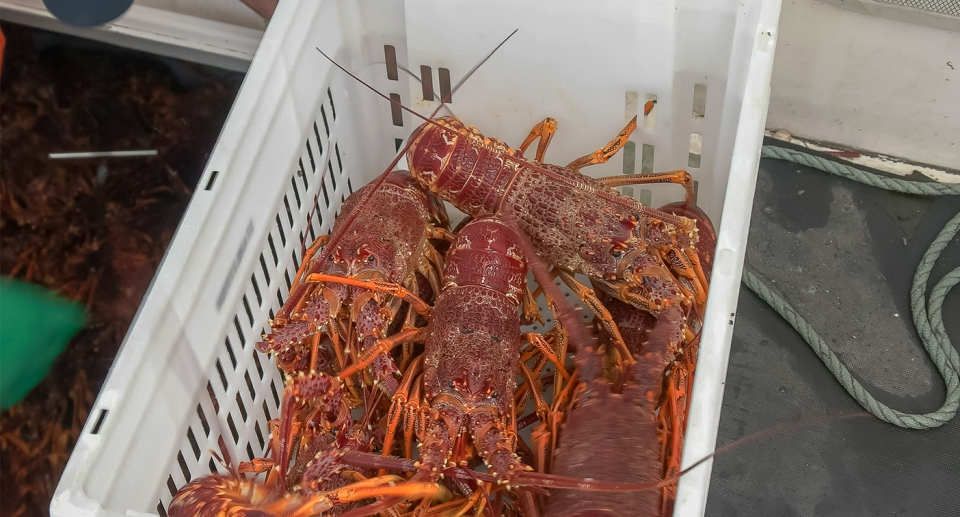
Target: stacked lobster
{"points": [[408, 374]]}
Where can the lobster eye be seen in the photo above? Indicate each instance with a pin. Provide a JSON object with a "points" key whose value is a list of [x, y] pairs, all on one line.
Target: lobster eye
{"points": [[495, 394], [616, 253], [371, 259]]}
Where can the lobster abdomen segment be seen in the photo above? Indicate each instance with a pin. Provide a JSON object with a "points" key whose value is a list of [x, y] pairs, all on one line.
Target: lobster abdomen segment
{"points": [[460, 165]]}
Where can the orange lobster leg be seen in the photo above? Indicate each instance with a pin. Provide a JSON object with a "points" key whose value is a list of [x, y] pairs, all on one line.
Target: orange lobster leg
{"points": [[384, 486], [590, 298], [680, 177], [684, 267], [544, 131], [320, 242], [606, 152], [376, 285], [383, 346], [397, 406], [415, 416], [538, 341], [543, 409]]}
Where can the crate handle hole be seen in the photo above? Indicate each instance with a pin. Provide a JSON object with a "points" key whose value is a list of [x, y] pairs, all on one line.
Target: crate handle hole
{"points": [[446, 94], [426, 82], [696, 149], [211, 180], [649, 112], [395, 109], [630, 158], [646, 159], [100, 418], [390, 56], [699, 101]]}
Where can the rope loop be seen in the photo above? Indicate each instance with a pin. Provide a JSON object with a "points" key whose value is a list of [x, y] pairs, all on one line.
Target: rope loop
{"points": [[927, 314]]}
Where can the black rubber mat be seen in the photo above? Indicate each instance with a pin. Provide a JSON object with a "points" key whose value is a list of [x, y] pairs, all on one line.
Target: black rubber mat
{"points": [[844, 255]]}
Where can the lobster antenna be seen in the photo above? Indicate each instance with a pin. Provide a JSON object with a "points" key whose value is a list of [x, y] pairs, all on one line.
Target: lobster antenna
{"points": [[445, 100], [539, 479], [374, 90], [379, 181], [414, 76], [442, 101], [619, 200]]}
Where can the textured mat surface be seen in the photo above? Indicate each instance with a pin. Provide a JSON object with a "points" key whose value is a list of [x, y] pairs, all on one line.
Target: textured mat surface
{"points": [[844, 255]]}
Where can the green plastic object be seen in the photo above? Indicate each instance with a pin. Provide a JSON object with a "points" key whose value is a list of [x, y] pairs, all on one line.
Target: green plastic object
{"points": [[35, 326]]}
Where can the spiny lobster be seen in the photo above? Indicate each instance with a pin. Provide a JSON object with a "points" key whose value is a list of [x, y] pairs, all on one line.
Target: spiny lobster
{"points": [[470, 361], [363, 265], [652, 403], [579, 224]]}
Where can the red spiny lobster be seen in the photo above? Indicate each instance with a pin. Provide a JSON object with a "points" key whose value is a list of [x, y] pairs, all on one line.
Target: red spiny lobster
{"points": [[654, 402], [639, 255], [469, 365], [360, 267]]}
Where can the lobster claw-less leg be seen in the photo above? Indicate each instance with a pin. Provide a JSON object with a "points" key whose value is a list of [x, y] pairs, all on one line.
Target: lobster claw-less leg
{"points": [[397, 405], [441, 434], [544, 131], [545, 434], [538, 341], [590, 298], [606, 152], [687, 266], [415, 415], [370, 320], [680, 177], [431, 266], [318, 243], [383, 346], [381, 486], [436, 232], [535, 388], [530, 313], [376, 285]]}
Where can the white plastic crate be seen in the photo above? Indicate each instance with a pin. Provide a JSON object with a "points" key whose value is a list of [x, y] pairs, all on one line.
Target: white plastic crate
{"points": [[301, 131]]}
